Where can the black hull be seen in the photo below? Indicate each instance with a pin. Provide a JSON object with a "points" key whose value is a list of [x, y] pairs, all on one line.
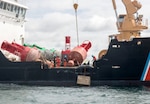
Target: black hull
{"points": [[123, 65]]}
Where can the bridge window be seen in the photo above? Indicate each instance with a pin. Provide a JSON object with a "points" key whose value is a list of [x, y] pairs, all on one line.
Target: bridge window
{"points": [[12, 6], [4, 6], [8, 7], [15, 9], [22, 12], [1, 5]]}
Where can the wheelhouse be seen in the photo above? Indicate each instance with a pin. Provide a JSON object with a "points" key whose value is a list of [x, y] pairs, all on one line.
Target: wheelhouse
{"points": [[12, 10]]}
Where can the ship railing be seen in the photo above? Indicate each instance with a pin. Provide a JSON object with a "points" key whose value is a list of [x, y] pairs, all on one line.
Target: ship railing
{"points": [[7, 13], [111, 37], [142, 21], [10, 15], [145, 22]]}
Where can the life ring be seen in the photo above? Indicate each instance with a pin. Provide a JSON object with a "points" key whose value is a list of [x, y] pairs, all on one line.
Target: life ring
{"points": [[102, 53]]}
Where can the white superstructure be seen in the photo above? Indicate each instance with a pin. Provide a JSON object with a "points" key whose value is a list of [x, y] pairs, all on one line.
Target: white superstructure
{"points": [[12, 19]]}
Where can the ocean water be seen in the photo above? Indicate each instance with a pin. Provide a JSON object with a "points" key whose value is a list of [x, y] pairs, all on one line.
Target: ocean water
{"points": [[18, 94]]}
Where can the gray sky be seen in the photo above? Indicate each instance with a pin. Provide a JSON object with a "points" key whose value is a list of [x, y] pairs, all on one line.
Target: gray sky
{"points": [[49, 21]]}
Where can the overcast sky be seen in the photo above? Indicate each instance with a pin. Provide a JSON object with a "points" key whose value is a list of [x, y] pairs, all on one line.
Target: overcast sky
{"points": [[49, 21]]}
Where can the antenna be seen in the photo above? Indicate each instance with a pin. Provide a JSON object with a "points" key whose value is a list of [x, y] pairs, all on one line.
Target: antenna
{"points": [[115, 8], [75, 5]]}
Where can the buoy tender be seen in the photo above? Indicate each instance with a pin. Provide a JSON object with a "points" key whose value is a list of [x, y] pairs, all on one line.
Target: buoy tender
{"points": [[126, 62]]}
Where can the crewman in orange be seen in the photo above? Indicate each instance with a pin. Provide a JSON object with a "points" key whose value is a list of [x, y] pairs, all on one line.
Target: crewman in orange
{"points": [[58, 61]]}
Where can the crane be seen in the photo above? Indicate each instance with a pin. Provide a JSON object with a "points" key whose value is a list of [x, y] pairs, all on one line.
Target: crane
{"points": [[128, 24]]}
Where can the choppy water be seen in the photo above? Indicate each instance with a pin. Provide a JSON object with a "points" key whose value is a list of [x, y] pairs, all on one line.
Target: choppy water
{"points": [[15, 94]]}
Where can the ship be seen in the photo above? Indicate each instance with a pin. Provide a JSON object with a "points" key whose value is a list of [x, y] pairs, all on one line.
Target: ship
{"points": [[126, 62]]}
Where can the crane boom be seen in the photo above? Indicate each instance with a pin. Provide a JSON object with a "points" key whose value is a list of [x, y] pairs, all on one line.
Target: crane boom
{"points": [[115, 9], [114, 4], [131, 6]]}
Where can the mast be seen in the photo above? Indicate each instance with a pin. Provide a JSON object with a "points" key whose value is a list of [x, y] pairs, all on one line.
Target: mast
{"points": [[75, 5]]}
